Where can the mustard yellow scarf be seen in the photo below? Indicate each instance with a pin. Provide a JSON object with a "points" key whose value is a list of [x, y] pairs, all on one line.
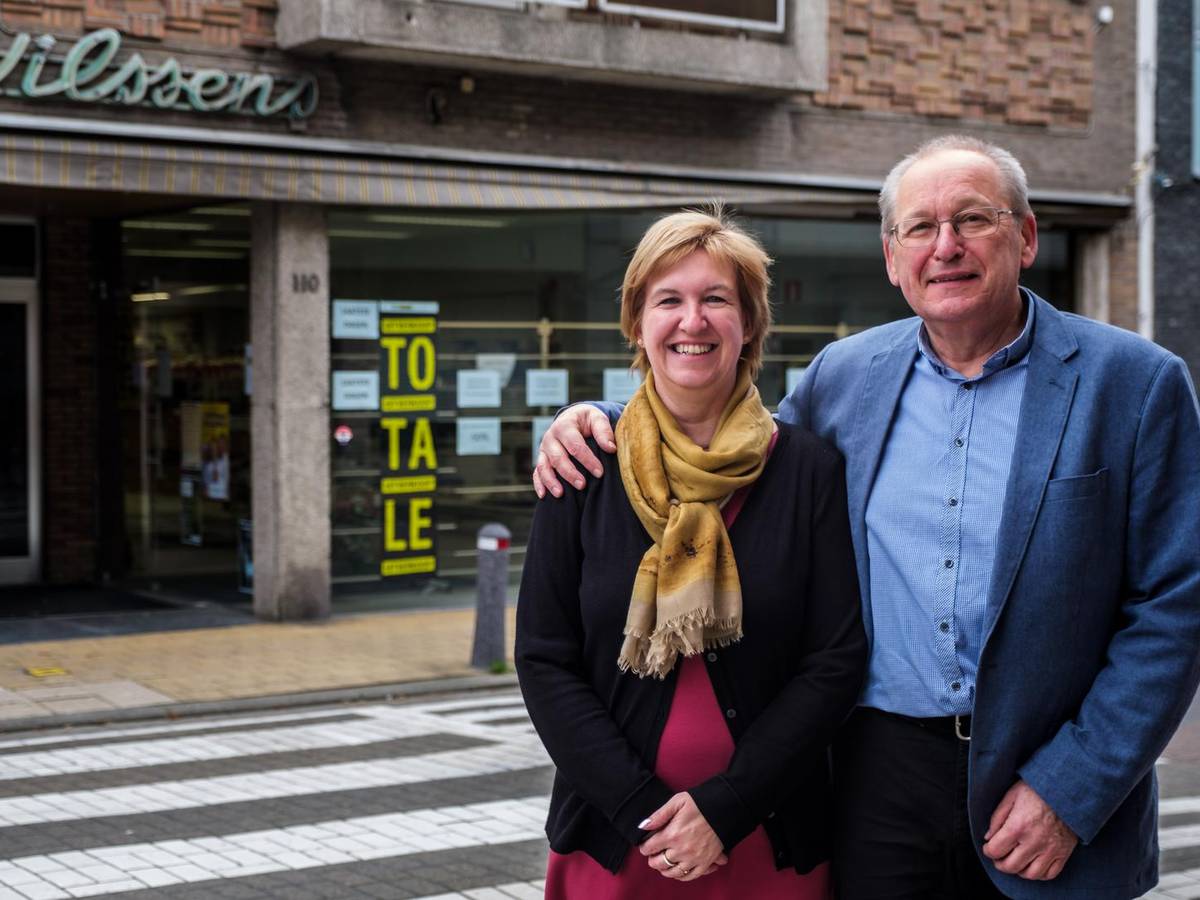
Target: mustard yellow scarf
{"points": [[686, 595]]}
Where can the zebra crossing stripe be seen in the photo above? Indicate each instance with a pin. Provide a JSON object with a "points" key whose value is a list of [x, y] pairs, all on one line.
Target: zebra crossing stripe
{"points": [[375, 724], [1173, 806], [1174, 837], [1183, 885], [199, 792], [130, 867], [90, 735]]}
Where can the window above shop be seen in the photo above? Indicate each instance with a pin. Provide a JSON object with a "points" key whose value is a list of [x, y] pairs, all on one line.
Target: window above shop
{"points": [[738, 46]]}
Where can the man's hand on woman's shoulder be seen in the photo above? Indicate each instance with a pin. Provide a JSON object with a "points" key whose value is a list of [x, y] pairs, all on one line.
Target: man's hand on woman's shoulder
{"points": [[565, 442]]}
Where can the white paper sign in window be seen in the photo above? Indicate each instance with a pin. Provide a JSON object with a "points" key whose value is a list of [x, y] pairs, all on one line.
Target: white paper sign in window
{"points": [[619, 384], [478, 436], [546, 387], [355, 390], [356, 319], [478, 388], [502, 363]]}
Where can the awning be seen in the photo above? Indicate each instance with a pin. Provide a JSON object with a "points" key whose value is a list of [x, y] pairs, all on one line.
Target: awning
{"points": [[256, 174]]}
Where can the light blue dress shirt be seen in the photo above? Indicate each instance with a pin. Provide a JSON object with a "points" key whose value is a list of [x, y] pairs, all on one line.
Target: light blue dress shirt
{"points": [[933, 519]]}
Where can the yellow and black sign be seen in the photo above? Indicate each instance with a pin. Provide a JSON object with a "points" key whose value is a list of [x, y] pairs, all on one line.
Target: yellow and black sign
{"points": [[407, 399]]}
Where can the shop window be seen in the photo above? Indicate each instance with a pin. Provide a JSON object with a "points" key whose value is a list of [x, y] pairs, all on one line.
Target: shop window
{"points": [[185, 402]]}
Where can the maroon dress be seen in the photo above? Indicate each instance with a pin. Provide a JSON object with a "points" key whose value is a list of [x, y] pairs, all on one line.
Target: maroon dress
{"points": [[695, 746]]}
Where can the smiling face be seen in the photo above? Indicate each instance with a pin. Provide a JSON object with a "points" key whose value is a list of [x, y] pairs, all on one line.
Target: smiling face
{"points": [[692, 329], [955, 281]]}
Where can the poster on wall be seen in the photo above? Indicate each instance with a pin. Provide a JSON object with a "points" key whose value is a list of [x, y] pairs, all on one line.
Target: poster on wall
{"points": [[407, 399]]}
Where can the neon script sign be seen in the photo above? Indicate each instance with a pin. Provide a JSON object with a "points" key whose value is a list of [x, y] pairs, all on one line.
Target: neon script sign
{"points": [[89, 72]]}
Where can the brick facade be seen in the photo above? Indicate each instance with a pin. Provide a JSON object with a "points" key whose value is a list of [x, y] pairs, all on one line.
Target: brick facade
{"points": [[1032, 75], [1015, 62], [1073, 130], [182, 23], [69, 403]]}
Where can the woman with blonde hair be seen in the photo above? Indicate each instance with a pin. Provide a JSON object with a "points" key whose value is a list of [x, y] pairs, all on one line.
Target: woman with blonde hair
{"points": [[688, 628]]}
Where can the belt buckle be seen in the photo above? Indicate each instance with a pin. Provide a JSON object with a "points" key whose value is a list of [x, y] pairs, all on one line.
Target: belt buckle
{"points": [[958, 729]]}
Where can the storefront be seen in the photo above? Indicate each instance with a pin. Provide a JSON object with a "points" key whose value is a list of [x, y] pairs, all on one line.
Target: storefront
{"points": [[254, 348], [526, 321]]}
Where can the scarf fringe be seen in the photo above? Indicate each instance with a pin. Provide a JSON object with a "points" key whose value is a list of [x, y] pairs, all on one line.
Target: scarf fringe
{"points": [[656, 654]]}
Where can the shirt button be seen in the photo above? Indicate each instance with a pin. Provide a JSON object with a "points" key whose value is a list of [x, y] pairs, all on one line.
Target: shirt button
{"points": [[968, 386], [770, 815], [712, 657], [945, 626], [955, 686], [958, 442], [949, 564], [731, 713], [954, 501]]}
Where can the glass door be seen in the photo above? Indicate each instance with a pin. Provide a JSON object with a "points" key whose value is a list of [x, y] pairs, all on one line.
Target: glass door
{"points": [[20, 487]]}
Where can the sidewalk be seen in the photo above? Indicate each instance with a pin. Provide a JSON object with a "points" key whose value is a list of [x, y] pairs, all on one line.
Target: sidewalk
{"points": [[123, 676]]}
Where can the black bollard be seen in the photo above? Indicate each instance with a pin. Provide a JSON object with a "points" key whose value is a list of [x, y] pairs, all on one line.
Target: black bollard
{"points": [[491, 587]]}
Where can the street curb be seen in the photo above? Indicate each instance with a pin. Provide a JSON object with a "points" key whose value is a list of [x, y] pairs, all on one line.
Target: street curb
{"points": [[388, 692]]}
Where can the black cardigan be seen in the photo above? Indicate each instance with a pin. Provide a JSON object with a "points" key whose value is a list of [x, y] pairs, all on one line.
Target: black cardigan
{"points": [[784, 687]]}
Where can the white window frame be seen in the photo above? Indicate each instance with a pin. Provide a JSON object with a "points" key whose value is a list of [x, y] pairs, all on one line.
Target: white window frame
{"points": [[653, 12]]}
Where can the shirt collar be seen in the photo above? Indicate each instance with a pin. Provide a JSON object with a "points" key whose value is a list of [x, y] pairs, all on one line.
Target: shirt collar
{"points": [[1008, 355]]}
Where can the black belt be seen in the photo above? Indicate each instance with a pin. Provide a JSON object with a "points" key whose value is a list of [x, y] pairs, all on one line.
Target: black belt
{"points": [[951, 726]]}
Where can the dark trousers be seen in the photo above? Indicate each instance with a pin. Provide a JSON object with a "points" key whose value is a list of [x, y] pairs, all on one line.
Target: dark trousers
{"points": [[901, 827]]}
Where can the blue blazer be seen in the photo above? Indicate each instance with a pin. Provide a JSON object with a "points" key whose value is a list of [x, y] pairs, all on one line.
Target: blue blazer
{"points": [[1093, 627]]}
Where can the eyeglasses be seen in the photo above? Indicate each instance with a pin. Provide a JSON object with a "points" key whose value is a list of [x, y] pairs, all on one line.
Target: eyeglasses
{"points": [[978, 222]]}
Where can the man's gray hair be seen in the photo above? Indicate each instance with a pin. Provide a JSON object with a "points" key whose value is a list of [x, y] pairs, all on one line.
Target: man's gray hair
{"points": [[1012, 175]]}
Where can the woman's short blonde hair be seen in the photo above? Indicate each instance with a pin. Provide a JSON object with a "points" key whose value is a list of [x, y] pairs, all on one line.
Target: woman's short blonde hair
{"points": [[671, 239]]}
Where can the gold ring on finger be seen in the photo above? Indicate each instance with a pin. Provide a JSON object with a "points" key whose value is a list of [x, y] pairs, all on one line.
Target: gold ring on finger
{"points": [[670, 862]]}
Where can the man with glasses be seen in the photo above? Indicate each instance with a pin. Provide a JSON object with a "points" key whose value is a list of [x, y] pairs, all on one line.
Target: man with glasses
{"points": [[1024, 491]]}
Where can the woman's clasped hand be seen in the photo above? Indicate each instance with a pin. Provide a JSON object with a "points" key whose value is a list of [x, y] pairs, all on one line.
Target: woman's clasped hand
{"points": [[683, 845]]}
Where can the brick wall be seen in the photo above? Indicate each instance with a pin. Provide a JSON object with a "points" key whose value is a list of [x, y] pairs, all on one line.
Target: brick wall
{"points": [[69, 404], [212, 23], [1017, 62]]}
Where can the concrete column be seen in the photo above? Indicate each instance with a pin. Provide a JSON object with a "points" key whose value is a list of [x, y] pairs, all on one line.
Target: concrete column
{"points": [[289, 418]]}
